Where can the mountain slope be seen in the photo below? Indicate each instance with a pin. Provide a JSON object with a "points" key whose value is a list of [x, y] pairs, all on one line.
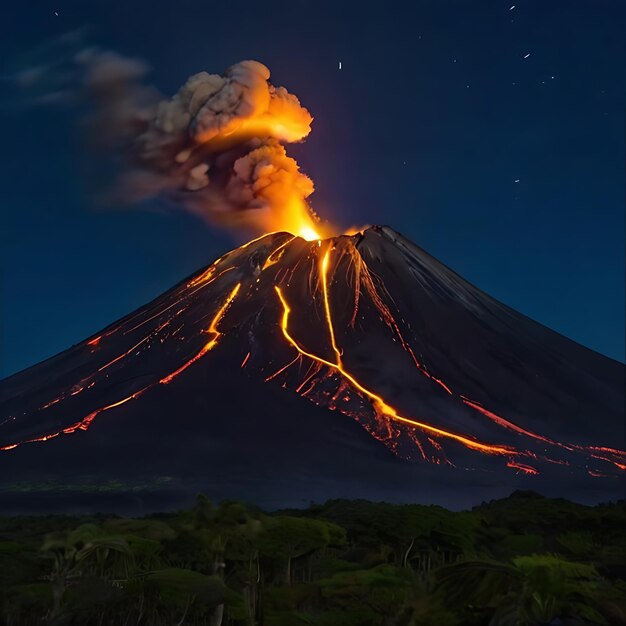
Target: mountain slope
{"points": [[385, 340]]}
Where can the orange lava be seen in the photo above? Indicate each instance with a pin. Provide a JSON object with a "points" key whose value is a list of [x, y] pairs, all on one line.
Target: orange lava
{"points": [[381, 407], [526, 469], [349, 395], [215, 335], [505, 423], [83, 424]]}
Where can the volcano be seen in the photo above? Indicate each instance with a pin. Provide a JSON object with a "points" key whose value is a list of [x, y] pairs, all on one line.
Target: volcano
{"points": [[291, 370]]}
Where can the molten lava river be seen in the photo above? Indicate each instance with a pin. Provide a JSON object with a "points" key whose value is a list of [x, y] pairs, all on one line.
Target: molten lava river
{"points": [[332, 320]]}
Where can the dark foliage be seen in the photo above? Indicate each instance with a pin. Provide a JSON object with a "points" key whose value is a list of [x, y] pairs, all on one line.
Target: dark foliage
{"points": [[523, 560]]}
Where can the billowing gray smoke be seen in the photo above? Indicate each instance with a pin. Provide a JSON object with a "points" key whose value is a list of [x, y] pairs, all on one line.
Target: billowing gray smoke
{"points": [[214, 148]]}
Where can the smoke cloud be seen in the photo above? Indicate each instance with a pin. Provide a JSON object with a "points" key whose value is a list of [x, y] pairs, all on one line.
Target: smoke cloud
{"points": [[215, 148]]}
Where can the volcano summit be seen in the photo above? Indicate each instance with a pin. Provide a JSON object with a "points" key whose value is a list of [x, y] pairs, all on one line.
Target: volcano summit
{"points": [[290, 370]]}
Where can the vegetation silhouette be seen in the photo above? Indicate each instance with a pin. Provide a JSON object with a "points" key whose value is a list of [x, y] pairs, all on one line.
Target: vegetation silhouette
{"points": [[524, 560]]}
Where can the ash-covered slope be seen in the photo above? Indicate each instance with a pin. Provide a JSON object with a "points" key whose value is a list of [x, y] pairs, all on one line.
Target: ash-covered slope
{"points": [[206, 388]]}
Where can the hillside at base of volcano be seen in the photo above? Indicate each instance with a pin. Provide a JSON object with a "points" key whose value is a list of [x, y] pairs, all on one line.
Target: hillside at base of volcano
{"points": [[290, 371]]}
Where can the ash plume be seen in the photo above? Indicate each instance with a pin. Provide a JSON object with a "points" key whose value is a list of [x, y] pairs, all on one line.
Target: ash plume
{"points": [[214, 148]]}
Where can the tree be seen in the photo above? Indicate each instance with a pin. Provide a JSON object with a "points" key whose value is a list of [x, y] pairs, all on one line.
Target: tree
{"points": [[530, 590], [287, 537], [369, 596], [76, 553], [182, 592]]}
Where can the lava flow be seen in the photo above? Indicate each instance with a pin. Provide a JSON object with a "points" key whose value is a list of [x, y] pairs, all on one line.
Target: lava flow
{"points": [[366, 325]]}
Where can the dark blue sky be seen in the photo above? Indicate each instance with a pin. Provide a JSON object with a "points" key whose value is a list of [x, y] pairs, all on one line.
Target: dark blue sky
{"points": [[433, 117]]}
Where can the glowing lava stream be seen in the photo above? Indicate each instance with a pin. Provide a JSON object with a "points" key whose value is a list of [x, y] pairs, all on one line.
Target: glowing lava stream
{"points": [[364, 282], [80, 425], [327, 309], [500, 421], [384, 409], [506, 424], [379, 403], [84, 423], [211, 343]]}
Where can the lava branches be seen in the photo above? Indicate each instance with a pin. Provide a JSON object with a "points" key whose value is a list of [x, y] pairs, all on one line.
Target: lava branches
{"points": [[212, 331], [348, 301], [312, 316], [330, 257]]}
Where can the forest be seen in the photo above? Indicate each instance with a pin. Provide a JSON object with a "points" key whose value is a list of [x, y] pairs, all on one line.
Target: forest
{"points": [[521, 560]]}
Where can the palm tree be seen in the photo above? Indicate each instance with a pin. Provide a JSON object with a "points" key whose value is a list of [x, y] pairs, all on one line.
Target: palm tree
{"points": [[530, 590], [85, 550]]}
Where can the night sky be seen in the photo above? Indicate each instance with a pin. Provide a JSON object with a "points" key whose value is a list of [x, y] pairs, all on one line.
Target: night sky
{"points": [[509, 168]]}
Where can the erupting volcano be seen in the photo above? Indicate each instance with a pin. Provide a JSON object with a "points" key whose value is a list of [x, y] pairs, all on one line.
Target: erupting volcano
{"points": [[366, 326], [285, 368]]}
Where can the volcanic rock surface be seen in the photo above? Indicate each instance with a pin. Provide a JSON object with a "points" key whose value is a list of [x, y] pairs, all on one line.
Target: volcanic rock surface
{"points": [[291, 370]]}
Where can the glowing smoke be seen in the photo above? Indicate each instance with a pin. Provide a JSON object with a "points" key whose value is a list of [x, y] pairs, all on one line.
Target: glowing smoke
{"points": [[215, 148]]}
